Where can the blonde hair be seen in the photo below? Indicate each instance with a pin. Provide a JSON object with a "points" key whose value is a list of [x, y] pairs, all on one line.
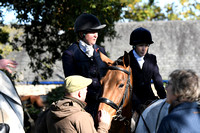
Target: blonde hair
{"points": [[185, 85]]}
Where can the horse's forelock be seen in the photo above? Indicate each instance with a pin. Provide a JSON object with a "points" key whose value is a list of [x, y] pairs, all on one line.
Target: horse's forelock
{"points": [[126, 59], [119, 61]]}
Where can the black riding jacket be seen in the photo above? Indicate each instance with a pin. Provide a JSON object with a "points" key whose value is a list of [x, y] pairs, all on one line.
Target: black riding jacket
{"points": [[142, 79]]}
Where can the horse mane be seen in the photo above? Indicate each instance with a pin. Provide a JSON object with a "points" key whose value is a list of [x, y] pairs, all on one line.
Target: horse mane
{"points": [[123, 60]]}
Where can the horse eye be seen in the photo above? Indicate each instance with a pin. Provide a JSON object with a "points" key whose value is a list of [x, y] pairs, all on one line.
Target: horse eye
{"points": [[121, 85]]}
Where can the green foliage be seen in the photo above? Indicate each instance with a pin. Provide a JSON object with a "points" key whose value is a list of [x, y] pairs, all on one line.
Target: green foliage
{"points": [[3, 36], [55, 95], [8, 40], [44, 19], [138, 10], [3, 39]]}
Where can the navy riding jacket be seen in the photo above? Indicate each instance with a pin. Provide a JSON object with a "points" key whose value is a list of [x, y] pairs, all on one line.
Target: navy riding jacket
{"points": [[142, 90], [76, 62]]}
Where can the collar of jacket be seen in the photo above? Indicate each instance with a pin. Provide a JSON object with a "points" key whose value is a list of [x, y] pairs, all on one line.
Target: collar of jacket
{"points": [[81, 103], [177, 105], [138, 58]]}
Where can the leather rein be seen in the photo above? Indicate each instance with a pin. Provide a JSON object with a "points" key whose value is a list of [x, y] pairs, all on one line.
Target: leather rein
{"points": [[119, 107]]}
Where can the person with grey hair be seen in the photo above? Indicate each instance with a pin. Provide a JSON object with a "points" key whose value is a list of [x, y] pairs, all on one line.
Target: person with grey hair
{"points": [[183, 95]]}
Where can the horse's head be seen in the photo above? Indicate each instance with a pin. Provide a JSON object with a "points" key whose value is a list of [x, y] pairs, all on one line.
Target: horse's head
{"points": [[116, 86]]}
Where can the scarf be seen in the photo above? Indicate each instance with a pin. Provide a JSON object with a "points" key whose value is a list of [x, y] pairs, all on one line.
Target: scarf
{"points": [[87, 49]]}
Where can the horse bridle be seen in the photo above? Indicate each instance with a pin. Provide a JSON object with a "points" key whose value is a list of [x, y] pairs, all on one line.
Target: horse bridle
{"points": [[111, 103]]}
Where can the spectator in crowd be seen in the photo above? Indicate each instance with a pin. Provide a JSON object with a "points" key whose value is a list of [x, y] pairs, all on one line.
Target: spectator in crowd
{"points": [[82, 57], [68, 115], [144, 70], [11, 110], [183, 95]]}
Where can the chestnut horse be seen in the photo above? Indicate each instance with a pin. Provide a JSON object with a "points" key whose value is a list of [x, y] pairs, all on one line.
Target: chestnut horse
{"points": [[32, 100], [117, 92]]}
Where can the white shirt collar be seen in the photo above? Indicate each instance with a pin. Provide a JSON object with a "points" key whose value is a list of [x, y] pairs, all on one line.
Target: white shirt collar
{"points": [[139, 59]]}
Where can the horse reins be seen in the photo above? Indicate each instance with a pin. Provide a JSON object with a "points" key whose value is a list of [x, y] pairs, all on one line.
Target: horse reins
{"points": [[111, 103]]}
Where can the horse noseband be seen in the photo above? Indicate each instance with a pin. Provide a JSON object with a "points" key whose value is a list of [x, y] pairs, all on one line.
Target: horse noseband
{"points": [[108, 102]]}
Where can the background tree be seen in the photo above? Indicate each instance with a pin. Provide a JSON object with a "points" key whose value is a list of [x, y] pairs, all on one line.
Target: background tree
{"points": [[142, 10], [7, 41]]}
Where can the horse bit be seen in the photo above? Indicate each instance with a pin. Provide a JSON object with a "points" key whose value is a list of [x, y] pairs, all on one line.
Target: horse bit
{"points": [[118, 115]]}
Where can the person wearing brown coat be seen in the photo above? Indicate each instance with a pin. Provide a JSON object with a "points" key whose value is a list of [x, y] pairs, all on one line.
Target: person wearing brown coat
{"points": [[68, 115]]}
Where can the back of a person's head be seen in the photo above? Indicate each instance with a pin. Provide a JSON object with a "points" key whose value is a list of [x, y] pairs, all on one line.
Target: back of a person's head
{"points": [[185, 85]]}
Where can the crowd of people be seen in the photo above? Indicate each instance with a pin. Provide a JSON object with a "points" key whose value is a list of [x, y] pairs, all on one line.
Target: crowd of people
{"points": [[83, 70]]}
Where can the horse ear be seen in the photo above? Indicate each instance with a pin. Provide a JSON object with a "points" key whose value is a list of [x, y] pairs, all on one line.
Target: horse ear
{"points": [[105, 59], [126, 59]]}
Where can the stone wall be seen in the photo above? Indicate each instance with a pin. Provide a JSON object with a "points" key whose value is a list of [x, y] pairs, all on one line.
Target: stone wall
{"points": [[24, 90], [176, 45]]}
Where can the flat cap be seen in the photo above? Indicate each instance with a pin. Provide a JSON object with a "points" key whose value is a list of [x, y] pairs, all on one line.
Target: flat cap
{"points": [[76, 82]]}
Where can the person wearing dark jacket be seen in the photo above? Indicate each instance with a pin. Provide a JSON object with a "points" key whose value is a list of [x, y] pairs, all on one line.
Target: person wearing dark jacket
{"points": [[68, 115], [144, 70], [82, 58], [183, 95]]}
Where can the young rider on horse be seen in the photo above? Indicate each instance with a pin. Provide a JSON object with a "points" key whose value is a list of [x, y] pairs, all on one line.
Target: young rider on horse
{"points": [[144, 69], [82, 57]]}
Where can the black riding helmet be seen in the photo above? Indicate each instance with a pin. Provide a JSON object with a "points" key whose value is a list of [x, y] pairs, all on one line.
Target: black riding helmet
{"points": [[140, 35], [87, 22]]}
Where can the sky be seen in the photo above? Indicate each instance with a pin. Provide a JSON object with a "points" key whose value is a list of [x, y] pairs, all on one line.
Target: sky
{"points": [[10, 16]]}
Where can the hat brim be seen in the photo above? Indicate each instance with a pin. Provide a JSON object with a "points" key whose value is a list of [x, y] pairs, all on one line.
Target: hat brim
{"points": [[139, 42], [99, 27]]}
